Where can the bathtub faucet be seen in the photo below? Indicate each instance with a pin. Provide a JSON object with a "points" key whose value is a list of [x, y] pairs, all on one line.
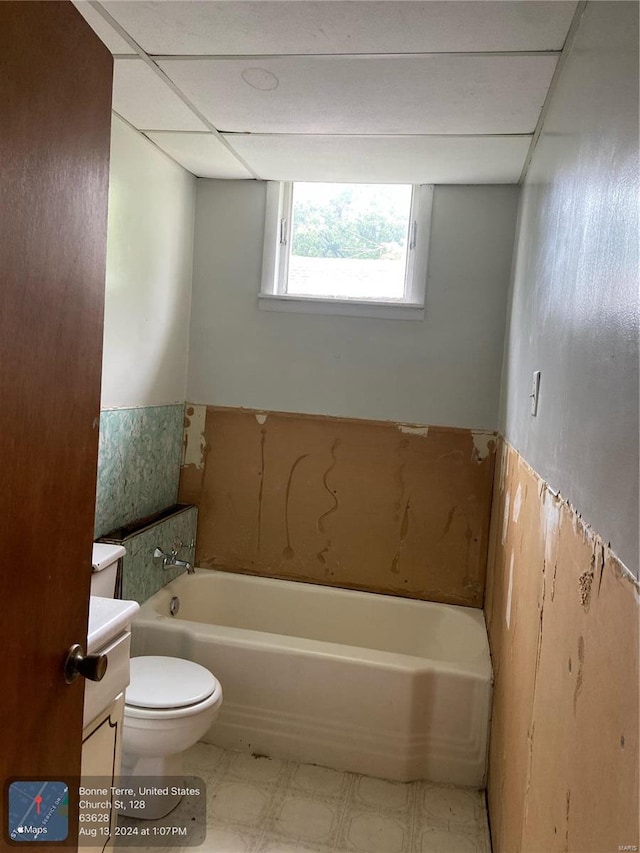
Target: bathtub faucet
{"points": [[171, 561]]}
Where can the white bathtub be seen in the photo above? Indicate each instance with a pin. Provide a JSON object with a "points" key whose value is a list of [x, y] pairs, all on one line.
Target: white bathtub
{"points": [[375, 684]]}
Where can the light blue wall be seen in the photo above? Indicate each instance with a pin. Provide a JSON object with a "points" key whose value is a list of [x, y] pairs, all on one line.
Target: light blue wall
{"points": [[443, 370], [574, 307]]}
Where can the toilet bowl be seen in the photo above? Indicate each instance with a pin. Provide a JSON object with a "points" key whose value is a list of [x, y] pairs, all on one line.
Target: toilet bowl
{"points": [[169, 704]]}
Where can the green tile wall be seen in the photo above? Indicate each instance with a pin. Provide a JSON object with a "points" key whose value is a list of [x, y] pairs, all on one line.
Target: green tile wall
{"points": [[142, 573], [138, 463]]}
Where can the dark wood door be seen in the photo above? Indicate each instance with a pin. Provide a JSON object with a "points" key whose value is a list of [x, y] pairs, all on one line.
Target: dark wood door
{"points": [[55, 114]]}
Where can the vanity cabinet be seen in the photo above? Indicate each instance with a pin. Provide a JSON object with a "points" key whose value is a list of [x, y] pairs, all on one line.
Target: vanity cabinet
{"points": [[101, 758], [109, 636]]}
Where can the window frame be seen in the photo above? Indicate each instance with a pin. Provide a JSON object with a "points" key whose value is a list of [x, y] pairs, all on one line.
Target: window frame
{"points": [[276, 253]]}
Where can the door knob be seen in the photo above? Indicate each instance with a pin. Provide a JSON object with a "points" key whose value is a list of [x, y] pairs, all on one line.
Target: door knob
{"points": [[92, 667]]}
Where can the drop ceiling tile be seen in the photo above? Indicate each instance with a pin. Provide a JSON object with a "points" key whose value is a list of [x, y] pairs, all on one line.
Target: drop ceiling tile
{"points": [[361, 95], [343, 27], [144, 99], [406, 159], [102, 29], [201, 153]]}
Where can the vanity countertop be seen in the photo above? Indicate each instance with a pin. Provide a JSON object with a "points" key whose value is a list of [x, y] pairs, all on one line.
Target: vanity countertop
{"points": [[108, 617]]}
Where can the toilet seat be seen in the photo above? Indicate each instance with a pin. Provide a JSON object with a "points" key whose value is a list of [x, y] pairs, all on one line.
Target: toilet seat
{"points": [[163, 686], [153, 739]]}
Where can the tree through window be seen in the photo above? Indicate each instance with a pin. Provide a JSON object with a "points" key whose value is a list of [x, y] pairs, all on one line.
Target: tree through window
{"points": [[349, 240], [355, 249]]}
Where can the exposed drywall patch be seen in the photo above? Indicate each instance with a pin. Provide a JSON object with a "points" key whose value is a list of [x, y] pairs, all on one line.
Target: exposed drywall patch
{"points": [[287, 552], [509, 593], [580, 676], [352, 503], [622, 572], [585, 582], [551, 509], [581, 528], [194, 442], [505, 519], [334, 504], [263, 439], [565, 666], [484, 444], [261, 418], [517, 504], [413, 429], [503, 464], [600, 564]]}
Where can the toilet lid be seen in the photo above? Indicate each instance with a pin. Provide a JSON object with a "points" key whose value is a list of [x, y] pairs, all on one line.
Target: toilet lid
{"points": [[164, 682]]}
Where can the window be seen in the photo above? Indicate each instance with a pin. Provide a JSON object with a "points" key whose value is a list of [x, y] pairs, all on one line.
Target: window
{"points": [[354, 249]]}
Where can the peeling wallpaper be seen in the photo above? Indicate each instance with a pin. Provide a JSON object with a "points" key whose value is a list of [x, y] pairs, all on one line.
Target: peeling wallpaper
{"points": [[563, 620], [138, 463]]}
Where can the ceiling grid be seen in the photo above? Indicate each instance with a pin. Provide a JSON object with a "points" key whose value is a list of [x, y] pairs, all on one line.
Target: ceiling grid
{"points": [[362, 90]]}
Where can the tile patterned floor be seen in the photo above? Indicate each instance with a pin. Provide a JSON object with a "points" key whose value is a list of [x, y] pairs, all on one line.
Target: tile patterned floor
{"points": [[263, 805]]}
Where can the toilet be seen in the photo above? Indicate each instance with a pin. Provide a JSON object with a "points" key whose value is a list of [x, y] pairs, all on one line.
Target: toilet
{"points": [[169, 703]]}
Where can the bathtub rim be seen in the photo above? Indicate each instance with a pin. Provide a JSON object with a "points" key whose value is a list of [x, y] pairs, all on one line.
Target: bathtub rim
{"points": [[296, 645], [475, 613]]}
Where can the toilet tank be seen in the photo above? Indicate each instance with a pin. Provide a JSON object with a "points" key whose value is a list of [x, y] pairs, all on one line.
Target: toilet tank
{"points": [[104, 573]]}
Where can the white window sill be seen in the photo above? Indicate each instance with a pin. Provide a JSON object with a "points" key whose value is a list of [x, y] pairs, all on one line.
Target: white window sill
{"points": [[342, 307]]}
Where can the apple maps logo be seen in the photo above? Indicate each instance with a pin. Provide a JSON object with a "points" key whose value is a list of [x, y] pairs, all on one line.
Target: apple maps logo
{"points": [[38, 811]]}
